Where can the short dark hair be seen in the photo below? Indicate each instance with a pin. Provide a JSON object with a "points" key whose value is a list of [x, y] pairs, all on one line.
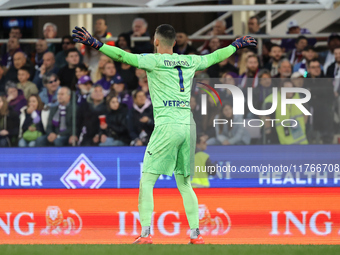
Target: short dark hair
{"points": [[82, 67], [71, 50], [308, 48], [16, 27], [313, 60], [26, 68], [167, 32], [301, 37], [182, 32], [68, 37], [274, 45], [257, 19]]}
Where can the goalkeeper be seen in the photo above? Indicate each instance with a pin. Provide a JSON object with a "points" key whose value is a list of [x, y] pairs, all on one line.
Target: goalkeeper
{"points": [[172, 144]]}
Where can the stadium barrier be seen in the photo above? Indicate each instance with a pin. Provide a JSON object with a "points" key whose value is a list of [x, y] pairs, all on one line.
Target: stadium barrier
{"points": [[227, 216], [121, 167]]}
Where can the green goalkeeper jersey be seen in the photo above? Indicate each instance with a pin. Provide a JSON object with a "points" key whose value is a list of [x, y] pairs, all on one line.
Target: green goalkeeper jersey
{"points": [[169, 79]]}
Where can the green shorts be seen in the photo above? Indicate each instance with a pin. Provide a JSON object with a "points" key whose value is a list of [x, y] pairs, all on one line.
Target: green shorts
{"points": [[171, 149]]}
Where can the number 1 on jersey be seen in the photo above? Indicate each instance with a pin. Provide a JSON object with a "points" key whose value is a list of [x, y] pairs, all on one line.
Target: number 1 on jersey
{"points": [[180, 74]]}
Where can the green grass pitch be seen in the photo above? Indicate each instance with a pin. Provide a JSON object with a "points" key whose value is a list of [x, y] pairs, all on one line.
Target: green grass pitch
{"points": [[169, 249]]}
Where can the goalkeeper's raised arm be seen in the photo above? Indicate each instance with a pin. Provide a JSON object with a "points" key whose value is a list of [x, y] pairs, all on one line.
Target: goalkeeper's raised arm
{"points": [[81, 35], [219, 55]]}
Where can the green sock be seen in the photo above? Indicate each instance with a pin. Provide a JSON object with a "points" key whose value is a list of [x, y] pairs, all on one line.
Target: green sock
{"points": [[189, 200], [145, 198]]}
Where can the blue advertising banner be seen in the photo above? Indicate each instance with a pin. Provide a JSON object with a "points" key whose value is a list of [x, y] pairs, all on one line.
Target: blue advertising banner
{"points": [[120, 167]]}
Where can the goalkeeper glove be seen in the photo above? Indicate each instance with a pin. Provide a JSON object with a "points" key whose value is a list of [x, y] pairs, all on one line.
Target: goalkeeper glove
{"points": [[243, 42], [81, 35]]}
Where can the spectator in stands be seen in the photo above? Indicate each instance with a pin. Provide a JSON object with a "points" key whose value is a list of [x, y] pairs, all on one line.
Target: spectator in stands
{"points": [[50, 32], [19, 60], [124, 41], [91, 56], [31, 126], [9, 124], [218, 29], [109, 72], [88, 117], [67, 44], [41, 49], [229, 78], [229, 134], [67, 74], [214, 44], [25, 84], [182, 45], [295, 133], [275, 57], [16, 32], [333, 70], [241, 59], [295, 56], [314, 69], [59, 127], [284, 69], [115, 131], [49, 94], [2, 81], [139, 29], [144, 86], [84, 87], [250, 77], [127, 73], [13, 47], [254, 25], [263, 90], [308, 54], [81, 70], [119, 90], [298, 79], [47, 68], [100, 29], [322, 102], [200, 179], [328, 56], [294, 28], [140, 119], [265, 57], [15, 97], [224, 66], [97, 74]]}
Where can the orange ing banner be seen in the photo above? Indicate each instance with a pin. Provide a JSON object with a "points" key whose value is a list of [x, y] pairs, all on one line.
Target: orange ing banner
{"points": [[227, 216]]}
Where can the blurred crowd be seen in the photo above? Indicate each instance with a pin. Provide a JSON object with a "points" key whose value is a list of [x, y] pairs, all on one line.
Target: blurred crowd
{"points": [[59, 95]]}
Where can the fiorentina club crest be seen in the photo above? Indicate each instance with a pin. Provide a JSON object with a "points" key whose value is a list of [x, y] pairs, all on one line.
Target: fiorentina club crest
{"points": [[82, 174]]}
